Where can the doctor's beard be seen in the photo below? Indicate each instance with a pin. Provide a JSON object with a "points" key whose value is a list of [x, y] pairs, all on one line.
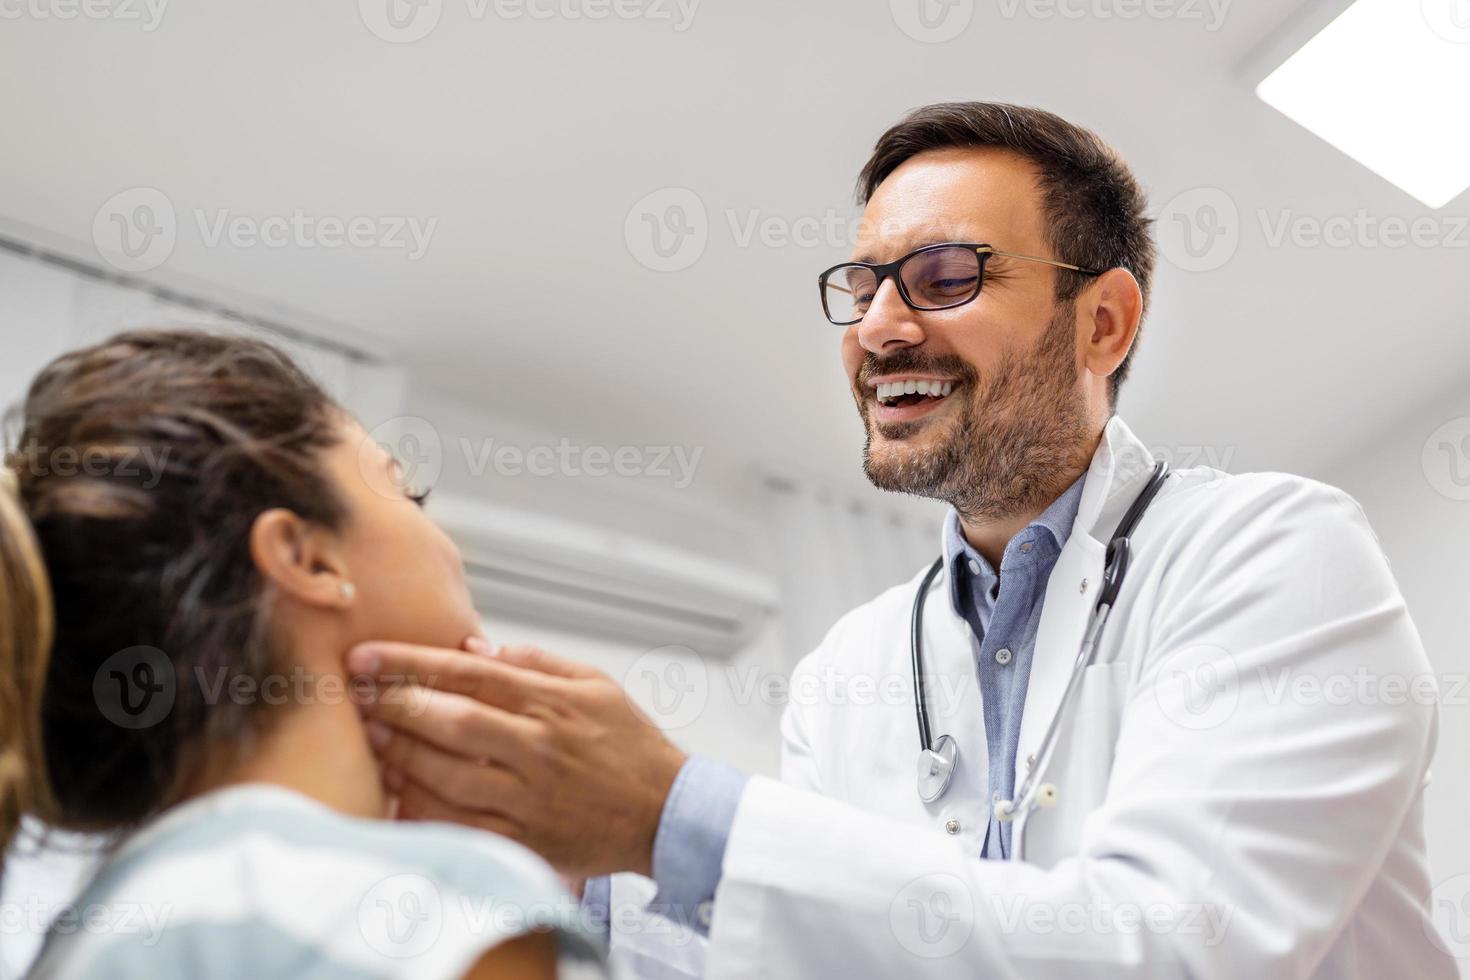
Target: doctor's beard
{"points": [[1009, 445]]}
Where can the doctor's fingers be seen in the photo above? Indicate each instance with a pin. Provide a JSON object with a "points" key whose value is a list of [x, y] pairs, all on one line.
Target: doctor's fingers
{"points": [[531, 658], [460, 725], [468, 783], [418, 802], [484, 678]]}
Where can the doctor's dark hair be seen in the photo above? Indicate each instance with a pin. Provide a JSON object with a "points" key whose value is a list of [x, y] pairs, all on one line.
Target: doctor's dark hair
{"points": [[140, 468], [1094, 211]]}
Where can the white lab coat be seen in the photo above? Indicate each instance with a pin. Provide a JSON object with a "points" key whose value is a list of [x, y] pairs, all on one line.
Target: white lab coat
{"points": [[1240, 776]]}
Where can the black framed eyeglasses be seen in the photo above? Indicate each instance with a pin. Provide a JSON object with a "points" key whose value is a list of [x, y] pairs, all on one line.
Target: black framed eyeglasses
{"points": [[935, 277]]}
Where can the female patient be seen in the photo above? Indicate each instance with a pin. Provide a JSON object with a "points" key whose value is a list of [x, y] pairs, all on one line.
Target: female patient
{"points": [[192, 535]]}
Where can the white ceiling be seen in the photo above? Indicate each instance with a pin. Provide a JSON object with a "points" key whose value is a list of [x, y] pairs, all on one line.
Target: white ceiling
{"points": [[530, 141]]}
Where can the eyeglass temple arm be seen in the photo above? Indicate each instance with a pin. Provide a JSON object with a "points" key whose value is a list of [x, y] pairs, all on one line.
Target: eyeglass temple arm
{"points": [[987, 250]]}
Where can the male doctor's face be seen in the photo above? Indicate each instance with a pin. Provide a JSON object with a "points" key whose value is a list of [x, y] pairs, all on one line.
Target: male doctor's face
{"points": [[1014, 424]]}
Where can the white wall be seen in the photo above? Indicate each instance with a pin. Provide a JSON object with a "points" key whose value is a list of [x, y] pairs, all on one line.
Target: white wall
{"points": [[1413, 480]]}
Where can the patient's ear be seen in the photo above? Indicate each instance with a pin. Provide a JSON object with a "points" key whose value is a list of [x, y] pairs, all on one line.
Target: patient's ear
{"points": [[300, 559]]}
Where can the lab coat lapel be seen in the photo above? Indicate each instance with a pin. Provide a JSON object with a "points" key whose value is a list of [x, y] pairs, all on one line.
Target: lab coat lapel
{"points": [[1071, 592]]}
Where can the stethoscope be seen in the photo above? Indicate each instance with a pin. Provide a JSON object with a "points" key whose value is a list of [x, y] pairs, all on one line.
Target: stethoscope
{"points": [[938, 757]]}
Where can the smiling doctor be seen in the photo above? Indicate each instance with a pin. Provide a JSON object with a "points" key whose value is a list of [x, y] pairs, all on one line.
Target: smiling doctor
{"points": [[1115, 764]]}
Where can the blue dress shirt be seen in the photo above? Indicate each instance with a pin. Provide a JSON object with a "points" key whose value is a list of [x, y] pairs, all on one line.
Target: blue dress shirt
{"points": [[1004, 613]]}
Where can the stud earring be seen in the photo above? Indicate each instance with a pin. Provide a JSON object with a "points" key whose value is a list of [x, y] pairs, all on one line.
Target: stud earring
{"points": [[348, 590]]}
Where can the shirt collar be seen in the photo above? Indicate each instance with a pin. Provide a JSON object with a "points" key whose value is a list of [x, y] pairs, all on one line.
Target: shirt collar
{"points": [[1057, 520]]}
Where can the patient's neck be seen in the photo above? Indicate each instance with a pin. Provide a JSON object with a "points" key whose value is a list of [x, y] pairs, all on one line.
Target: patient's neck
{"points": [[315, 743], [318, 750]]}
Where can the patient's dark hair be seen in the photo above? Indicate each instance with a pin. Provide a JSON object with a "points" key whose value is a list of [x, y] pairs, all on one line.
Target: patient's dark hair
{"points": [[140, 466]]}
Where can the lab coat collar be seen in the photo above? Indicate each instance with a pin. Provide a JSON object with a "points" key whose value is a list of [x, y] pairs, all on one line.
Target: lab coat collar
{"points": [[1120, 467], [1119, 464]]}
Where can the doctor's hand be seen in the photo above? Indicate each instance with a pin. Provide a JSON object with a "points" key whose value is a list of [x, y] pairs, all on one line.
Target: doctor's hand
{"points": [[518, 741]]}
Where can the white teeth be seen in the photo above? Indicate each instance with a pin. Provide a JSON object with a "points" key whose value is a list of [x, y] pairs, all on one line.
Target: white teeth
{"points": [[889, 390]]}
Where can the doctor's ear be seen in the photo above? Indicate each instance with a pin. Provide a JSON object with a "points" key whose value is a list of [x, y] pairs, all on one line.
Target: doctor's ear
{"points": [[300, 559], [1110, 310]]}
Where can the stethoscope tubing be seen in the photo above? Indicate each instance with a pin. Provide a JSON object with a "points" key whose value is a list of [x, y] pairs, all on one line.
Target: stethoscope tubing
{"points": [[1032, 792]]}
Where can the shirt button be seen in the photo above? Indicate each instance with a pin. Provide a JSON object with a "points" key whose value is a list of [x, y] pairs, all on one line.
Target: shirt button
{"points": [[974, 567], [706, 912], [1031, 762], [951, 826], [1002, 656]]}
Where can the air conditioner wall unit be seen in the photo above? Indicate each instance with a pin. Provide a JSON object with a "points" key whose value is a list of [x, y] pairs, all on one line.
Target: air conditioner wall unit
{"points": [[589, 580]]}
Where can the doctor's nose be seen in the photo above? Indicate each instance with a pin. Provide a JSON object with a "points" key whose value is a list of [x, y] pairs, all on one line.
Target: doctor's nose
{"points": [[889, 322]]}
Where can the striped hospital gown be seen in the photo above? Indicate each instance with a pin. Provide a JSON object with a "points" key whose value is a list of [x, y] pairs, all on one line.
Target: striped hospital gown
{"points": [[258, 881]]}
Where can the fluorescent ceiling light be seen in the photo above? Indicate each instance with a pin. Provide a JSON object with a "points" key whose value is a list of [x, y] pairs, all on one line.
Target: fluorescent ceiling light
{"points": [[1388, 83]]}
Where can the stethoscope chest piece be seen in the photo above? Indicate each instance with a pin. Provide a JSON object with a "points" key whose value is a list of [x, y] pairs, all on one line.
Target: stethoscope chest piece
{"points": [[936, 768]]}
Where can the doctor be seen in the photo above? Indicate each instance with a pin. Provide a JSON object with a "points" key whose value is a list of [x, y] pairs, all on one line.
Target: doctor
{"points": [[1222, 782]]}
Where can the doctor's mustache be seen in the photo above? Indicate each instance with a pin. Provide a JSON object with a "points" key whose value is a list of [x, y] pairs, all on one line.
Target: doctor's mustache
{"points": [[912, 361]]}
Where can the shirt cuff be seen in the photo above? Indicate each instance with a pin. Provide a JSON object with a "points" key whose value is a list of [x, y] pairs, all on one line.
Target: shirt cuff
{"points": [[689, 848], [597, 905]]}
